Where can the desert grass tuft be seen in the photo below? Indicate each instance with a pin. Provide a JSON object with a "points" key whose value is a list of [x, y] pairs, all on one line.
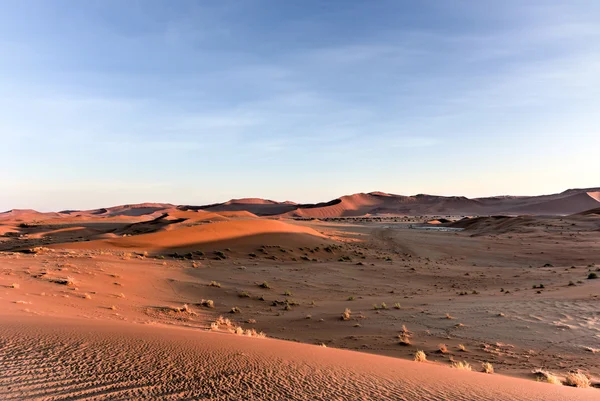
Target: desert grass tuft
{"points": [[577, 379], [404, 339], [420, 356], [547, 377], [462, 365], [347, 314], [487, 367]]}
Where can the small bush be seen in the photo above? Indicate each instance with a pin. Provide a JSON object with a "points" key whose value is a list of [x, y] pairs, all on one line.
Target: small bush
{"points": [[577, 379], [463, 365], [442, 348], [287, 293], [346, 315], [592, 276], [208, 303], [244, 294], [264, 285], [350, 298], [420, 356], [235, 309], [487, 367], [397, 305], [214, 284], [545, 376], [404, 339], [462, 348]]}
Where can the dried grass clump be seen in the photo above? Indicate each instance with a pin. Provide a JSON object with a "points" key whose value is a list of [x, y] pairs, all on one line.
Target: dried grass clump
{"points": [[214, 284], [578, 379], [449, 317], [420, 356], [462, 365], [545, 376], [347, 314], [397, 305], [443, 348], [235, 309], [209, 303], [404, 339], [487, 367], [462, 348], [15, 286], [227, 325]]}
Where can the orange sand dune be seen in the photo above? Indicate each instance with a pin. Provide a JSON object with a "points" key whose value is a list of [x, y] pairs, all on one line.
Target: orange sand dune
{"points": [[202, 234], [112, 360], [565, 205]]}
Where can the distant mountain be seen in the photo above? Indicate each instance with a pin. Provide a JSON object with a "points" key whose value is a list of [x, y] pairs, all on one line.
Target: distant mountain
{"points": [[362, 204], [381, 203]]}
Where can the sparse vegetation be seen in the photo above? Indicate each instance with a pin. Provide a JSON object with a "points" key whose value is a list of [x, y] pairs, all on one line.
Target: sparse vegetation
{"points": [[487, 367], [244, 294], [14, 285], [235, 309], [214, 284], [462, 365], [420, 356], [577, 379], [404, 339], [462, 348], [287, 293], [265, 285], [547, 377], [347, 314], [397, 305], [443, 348], [208, 303], [592, 276], [351, 298]]}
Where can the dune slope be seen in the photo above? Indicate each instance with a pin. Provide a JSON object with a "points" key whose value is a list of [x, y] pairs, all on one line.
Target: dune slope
{"points": [[219, 232], [78, 359]]}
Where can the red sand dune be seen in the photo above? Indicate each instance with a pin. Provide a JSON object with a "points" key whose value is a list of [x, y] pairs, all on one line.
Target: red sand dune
{"points": [[202, 235], [73, 358]]}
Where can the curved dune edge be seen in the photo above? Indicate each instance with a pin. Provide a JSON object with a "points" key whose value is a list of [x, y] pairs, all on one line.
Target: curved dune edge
{"points": [[107, 360], [197, 235]]}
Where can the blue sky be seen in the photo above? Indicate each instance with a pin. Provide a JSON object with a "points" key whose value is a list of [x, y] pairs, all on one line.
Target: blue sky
{"points": [[112, 102]]}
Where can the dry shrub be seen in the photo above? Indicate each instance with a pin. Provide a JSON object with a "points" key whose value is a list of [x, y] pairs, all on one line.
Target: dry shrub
{"points": [[448, 316], [404, 339], [487, 367], [208, 303], [14, 285], [462, 365], [545, 376], [577, 379], [420, 356], [347, 314], [462, 348], [442, 348]]}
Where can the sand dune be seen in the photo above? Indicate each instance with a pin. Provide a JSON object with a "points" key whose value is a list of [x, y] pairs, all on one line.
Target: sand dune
{"points": [[564, 205], [99, 360], [205, 235]]}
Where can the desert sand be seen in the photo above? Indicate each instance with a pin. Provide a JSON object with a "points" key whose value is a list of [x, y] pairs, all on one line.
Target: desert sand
{"points": [[179, 302]]}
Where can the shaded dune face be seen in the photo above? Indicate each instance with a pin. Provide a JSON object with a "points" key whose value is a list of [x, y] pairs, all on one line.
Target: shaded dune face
{"points": [[90, 360], [210, 236]]}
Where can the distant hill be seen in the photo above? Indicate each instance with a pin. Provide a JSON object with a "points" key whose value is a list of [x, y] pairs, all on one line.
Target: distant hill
{"points": [[568, 202]]}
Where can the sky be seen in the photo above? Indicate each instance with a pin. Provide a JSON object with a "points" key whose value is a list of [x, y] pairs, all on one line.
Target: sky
{"points": [[193, 102]]}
